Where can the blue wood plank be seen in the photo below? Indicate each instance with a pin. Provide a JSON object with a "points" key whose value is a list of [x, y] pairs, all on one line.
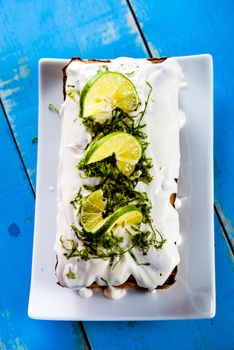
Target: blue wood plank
{"points": [[186, 27], [54, 29], [214, 334], [17, 331]]}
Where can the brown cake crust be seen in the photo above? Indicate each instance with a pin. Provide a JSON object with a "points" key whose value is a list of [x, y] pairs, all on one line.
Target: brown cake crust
{"points": [[131, 282]]}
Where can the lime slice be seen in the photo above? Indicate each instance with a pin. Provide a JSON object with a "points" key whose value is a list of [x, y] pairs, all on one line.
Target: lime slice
{"points": [[127, 150], [105, 91], [127, 215], [91, 210]]}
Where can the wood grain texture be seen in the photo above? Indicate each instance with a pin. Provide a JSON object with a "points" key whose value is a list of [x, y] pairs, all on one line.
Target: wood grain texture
{"points": [[17, 331], [214, 334], [186, 27], [60, 30]]}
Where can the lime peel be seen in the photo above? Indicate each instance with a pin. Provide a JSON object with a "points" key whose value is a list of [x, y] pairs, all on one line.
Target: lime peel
{"points": [[92, 209], [127, 215], [105, 91], [126, 147]]}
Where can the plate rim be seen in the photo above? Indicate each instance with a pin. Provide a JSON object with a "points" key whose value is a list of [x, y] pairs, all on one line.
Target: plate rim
{"points": [[31, 311]]}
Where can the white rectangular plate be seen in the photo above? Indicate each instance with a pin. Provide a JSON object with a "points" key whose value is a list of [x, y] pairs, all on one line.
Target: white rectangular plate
{"points": [[193, 294]]}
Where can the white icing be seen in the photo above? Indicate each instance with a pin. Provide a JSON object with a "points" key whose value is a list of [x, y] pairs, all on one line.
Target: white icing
{"points": [[178, 203], [182, 118], [114, 293], [85, 292], [163, 119], [153, 291]]}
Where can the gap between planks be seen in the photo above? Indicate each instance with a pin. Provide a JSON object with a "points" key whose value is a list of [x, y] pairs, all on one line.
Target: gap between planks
{"points": [[224, 229], [151, 55], [139, 28], [81, 326], [17, 147]]}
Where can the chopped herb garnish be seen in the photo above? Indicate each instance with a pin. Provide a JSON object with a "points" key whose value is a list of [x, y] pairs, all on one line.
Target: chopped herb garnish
{"points": [[103, 68], [130, 74], [35, 139], [142, 113], [71, 274], [136, 261], [118, 190], [53, 108], [77, 200], [108, 245], [105, 281], [73, 95]]}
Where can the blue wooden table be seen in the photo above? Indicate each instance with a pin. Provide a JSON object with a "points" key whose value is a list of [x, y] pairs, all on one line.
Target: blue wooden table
{"points": [[30, 30]]}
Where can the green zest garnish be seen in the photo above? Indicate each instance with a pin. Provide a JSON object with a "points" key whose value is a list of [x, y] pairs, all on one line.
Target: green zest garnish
{"points": [[130, 74], [103, 68], [105, 281], [73, 94], [35, 139], [112, 213], [109, 245], [136, 261], [71, 274], [52, 108]]}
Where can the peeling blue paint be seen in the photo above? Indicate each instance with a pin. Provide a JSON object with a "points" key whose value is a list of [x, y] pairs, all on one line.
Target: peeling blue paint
{"points": [[28, 220], [14, 230], [226, 222]]}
